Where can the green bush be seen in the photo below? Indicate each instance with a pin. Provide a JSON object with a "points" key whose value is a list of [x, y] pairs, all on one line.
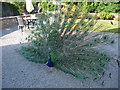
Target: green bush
{"points": [[117, 19], [106, 15], [103, 15], [69, 11], [20, 6], [110, 17]]}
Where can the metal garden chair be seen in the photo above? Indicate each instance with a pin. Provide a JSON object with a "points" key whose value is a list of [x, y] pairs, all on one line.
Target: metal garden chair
{"points": [[21, 23]]}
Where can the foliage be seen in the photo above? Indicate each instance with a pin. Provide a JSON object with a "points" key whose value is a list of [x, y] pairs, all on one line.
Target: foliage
{"points": [[89, 7], [117, 19], [47, 6], [97, 7], [112, 7], [70, 12], [106, 15], [69, 44], [103, 15], [44, 6], [20, 6], [8, 9], [110, 17]]}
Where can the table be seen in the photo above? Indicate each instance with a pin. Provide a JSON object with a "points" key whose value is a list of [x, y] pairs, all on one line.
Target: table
{"points": [[30, 20]]}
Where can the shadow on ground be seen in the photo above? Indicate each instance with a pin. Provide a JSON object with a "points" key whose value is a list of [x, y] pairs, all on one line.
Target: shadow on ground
{"points": [[9, 30], [114, 30]]}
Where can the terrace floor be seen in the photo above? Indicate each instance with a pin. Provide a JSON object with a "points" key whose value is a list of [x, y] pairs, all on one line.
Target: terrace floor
{"points": [[17, 72]]}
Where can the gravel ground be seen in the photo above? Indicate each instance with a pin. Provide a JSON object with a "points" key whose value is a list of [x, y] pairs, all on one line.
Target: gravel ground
{"points": [[17, 72]]}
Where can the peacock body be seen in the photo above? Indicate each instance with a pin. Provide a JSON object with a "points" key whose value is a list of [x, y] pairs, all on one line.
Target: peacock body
{"points": [[69, 42]]}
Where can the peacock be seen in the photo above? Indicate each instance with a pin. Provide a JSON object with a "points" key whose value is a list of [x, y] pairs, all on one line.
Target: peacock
{"points": [[66, 40]]}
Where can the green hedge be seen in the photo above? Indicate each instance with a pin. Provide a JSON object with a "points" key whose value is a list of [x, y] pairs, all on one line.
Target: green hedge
{"points": [[89, 7], [97, 7]]}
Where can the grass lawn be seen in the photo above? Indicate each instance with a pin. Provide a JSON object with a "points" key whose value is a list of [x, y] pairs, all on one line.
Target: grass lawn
{"points": [[108, 27]]}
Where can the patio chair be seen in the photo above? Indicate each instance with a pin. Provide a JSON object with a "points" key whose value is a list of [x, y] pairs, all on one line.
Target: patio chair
{"points": [[21, 23]]}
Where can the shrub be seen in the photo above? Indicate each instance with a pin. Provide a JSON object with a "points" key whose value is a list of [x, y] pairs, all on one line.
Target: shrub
{"points": [[106, 15], [103, 15], [20, 6], [70, 11], [110, 17], [117, 19]]}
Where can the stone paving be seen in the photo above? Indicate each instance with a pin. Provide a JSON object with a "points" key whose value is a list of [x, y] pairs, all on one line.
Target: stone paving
{"points": [[17, 72]]}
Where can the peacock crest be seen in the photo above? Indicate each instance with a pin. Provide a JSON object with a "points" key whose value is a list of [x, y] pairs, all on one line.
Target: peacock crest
{"points": [[69, 38]]}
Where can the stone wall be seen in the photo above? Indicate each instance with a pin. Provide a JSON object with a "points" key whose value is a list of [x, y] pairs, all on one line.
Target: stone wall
{"points": [[115, 14], [8, 21]]}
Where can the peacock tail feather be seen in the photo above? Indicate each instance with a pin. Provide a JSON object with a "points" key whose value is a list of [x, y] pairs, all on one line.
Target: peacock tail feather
{"points": [[70, 40]]}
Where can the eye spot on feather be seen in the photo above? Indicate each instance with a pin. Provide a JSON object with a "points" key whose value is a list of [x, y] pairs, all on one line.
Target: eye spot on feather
{"points": [[37, 28], [69, 9], [107, 59], [69, 30], [60, 20], [85, 32], [112, 42], [45, 20], [75, 15], [83, 24], [42, 14], [91, 25], [99, 70], [103, 55], [56, 8], [49, 14], [43, 32], [46, 32], [89, 18], [96, 40], [105, 37], [62, 13], [77, 30], [55, 16], [64, 24], [71, 22], [66, 15]]}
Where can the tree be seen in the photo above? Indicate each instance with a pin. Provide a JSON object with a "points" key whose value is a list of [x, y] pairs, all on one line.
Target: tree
{"points": [[20, 6]]}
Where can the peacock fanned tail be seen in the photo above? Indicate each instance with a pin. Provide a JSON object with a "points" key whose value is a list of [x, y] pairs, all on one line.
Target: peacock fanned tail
{"points": [[70, 37]]}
